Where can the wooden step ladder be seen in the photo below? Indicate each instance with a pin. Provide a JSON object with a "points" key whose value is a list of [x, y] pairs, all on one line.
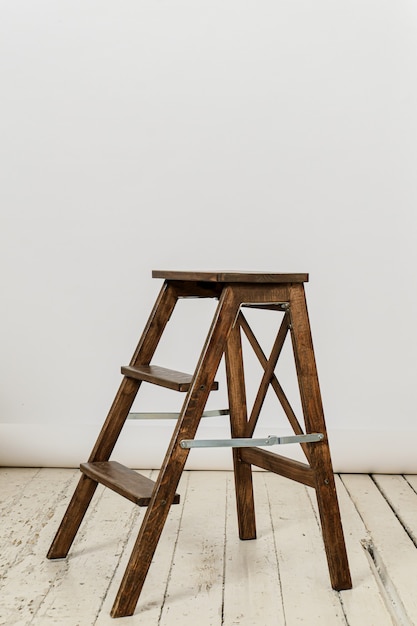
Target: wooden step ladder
{"points": [[234, 290]]}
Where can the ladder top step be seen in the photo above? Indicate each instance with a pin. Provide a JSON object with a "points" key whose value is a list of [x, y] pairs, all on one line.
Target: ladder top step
{"points": [[122, 480], [231, 277], [161, 376]]}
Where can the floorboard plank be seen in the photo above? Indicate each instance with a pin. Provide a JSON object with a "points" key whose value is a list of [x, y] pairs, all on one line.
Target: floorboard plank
{"points": [[392, 549], [365, 590], [19, 510], [13, 482], [412, 480], [152, 598], [195, 589], [78, 592], [402, 498], [26, 534], [252, 593], [308, 596], [202, 573]]}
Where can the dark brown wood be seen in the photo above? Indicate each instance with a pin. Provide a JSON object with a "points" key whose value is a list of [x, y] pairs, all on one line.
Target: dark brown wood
{"points": [[269, 368], [319, 453], [72, 518], [234, 290], [292, 418], [295, 470], [114, 422], [196, 289], [239, 423], [173, 465], [256, 293], [171, 379], [122, 480], [129, 387], [231, 277]]}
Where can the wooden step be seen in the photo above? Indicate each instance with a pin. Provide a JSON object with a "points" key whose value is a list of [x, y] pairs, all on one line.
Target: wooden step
{"points": [[161, 376], [123, 480]]}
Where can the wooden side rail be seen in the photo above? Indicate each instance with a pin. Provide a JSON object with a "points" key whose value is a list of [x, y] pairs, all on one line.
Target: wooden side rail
{"points": [[295, 470]]}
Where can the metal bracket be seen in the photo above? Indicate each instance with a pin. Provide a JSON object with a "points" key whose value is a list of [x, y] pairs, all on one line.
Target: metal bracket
{"points": [[279, 306], [173, 416], [246, 442]]}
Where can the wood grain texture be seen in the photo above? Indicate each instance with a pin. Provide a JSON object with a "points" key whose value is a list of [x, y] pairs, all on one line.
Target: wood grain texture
{"points": [[366, 589], [281, 578], [239, 426], [269, 368], [111, 429], [162, 376], [234, 290], [124, 481], [115, 420], [288, 410], [176, 456], [230, 277], [319, 453], [307, 595], [200, 550], [96, 553], [393, 548], [278, 464], [72, 518], [252, 585]]}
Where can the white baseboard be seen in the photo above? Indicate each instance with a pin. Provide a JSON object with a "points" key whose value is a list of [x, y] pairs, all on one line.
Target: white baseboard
{"points": [[142, 445]]}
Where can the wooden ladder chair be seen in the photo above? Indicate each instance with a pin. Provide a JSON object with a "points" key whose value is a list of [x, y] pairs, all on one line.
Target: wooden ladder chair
{"points": [[234, 290]]}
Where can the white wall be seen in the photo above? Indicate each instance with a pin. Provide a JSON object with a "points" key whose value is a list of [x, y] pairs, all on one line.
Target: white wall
{"points": [[265, 135]]}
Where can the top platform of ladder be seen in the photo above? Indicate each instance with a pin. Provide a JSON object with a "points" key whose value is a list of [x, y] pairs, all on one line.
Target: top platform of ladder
{"points": [[230, 277]]}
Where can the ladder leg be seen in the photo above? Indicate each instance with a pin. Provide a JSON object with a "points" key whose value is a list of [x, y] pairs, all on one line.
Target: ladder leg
{"points": [[174, 462], [113, 425], [86, 487], [319, 454], [239, 425], [72, 519], [125, 397]]}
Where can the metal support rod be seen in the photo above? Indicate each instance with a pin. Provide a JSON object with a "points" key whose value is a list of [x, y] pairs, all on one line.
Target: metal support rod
{"points": [[173, 416], [246, 442]]}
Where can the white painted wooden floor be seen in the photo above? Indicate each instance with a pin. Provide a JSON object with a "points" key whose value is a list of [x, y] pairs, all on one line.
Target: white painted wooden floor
{"points": [[202, 574]]}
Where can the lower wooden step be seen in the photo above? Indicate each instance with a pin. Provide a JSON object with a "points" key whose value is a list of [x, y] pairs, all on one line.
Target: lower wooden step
{"points": [[171, 379], [123, 480]]}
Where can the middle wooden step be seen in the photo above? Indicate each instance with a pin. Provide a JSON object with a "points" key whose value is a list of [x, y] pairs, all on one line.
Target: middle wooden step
{"points": [[172, 379]]}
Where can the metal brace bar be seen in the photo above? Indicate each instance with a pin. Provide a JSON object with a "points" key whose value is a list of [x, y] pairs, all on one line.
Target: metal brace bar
{"points": [[272, 440], [173, 416]]}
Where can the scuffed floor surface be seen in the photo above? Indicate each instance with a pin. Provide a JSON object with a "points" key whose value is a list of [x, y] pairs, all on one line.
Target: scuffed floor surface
{"points": [[202, 574]]}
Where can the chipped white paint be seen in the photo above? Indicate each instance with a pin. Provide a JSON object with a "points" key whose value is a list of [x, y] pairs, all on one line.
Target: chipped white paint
{"points": [[195, 587], [397, 554], [252, 594], [202, 573], [308, 597], [152, 598], [32, 514], [365, 591]]}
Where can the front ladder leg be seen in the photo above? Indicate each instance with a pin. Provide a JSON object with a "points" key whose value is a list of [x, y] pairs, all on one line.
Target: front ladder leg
{"points": [[173, 465]]}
